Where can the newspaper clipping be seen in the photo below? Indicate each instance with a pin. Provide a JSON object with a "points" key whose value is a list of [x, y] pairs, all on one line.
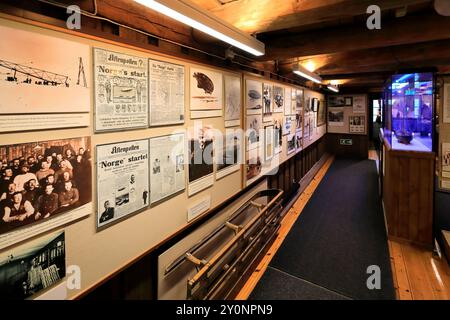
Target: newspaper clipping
{"points": [[167, 174], [122, 180], [166, 93], [121, 91]]}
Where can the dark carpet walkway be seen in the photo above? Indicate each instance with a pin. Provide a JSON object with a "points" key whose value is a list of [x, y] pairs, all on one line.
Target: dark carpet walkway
{"points": [[339, 234]]}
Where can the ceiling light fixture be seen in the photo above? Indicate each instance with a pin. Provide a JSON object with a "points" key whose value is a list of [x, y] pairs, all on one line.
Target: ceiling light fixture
{"points": [[333, 88], [188, 13], [303, 72]]}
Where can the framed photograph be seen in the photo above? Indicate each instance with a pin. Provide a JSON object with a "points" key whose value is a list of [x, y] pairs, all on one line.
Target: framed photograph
{"points": [[121, 91], [359, 104], [228, 154], [232, 101], [315, 104], [46, 184], [167, 93], [446, 157], [267, 102], [45, 81], [201, 160], [291, 143], [254, 97], [122, 180], [348, 101], [336, 117], [299, 99], [253, 129], [278, 138], [206, 87], [29, 269], [298, 141], [167, 166], [357, 124], [336, 101], [278, 99], [269, 142], [253, 166]]}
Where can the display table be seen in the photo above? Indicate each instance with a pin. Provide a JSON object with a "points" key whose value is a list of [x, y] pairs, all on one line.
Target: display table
{"points": [[407, 191]]}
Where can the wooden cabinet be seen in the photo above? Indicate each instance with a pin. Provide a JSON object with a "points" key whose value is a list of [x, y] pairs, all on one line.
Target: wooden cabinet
{"points": [[407, 190]]}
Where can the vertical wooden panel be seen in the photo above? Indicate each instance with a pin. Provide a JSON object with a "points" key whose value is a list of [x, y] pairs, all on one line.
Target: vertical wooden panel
{"points": [[403, 194], [394, 172], [413, 198], [426, 202]]}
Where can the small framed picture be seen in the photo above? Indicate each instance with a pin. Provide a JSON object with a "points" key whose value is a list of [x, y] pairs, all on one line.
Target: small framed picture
{"points": [[348, 101]]}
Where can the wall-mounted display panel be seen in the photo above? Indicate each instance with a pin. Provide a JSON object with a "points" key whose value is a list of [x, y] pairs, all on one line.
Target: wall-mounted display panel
{"points": [[253, 97], [54, 179], [45, 81], [122, 180], [233, 101], [167, 166], [206, 92], [166, 93], [201, 161], [32, 267], [229, 153], [121, 91]]}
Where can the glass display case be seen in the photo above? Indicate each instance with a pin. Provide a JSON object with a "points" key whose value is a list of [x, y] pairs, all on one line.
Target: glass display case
{"points": [[409, 111]]}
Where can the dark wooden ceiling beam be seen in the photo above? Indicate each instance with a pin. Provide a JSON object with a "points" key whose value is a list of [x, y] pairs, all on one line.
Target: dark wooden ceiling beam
{"points": [[401, 31]]}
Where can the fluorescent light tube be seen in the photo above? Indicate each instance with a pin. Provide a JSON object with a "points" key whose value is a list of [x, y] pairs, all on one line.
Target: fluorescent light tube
{"points": [[333, 88], [308, 75], [195, 17]]}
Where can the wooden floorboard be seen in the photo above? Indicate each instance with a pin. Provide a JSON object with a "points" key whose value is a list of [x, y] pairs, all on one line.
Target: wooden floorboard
{"points": [[419, 274], [288, 221]]}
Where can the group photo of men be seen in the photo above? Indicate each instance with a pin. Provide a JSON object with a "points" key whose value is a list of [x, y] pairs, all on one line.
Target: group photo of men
{"points": [[43, 179]]}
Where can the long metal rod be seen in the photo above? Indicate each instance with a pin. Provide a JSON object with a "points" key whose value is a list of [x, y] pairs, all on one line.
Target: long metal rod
{"points": [[233, 241]]}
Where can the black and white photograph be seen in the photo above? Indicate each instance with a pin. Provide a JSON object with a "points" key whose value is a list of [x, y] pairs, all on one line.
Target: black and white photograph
{"points": [[253, 168], [166, 93], [201, 161], [336, 101], [121, 91], [40, 181], [167, 174], [229, 154], [336, 117], [357, 124], [298, 141], [299, 98], [278, 99], [278, 138], [45, 81], [359, 104], [348, 101], [206, 89], [306, 126], [254, 97], [299, 119], [122, 180], [28, 269], [291, 143], [232, 101], [254, 126], [267, 102]]}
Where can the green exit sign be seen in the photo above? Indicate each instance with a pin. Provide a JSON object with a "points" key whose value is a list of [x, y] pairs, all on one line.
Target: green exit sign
{"points": [[346, 142]]}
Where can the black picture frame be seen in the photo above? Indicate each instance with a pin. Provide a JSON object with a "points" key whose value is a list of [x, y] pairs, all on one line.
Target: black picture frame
{"points": [[348, 101]]}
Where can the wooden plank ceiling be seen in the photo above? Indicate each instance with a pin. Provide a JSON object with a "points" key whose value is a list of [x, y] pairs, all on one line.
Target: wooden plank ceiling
{"points": [[330, 37]]}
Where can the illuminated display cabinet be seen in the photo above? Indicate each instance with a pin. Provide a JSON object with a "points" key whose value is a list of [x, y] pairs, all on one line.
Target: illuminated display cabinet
{"points": [[407, 160], [409, 110]]}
